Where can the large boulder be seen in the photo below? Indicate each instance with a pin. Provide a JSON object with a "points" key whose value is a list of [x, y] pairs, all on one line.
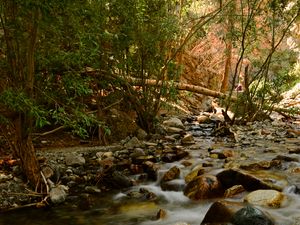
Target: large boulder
{"points": [[251, 216], [231, 177], [221, 212], [203, 187], [267, 198]]}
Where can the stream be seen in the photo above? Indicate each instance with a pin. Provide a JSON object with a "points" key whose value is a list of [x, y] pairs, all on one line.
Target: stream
{"points": [[117, 208]]}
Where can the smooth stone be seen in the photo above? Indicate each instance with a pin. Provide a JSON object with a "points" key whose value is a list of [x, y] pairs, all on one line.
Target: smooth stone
{"points": [[174, 130], [171, 174], [221, 212], [74, 160], [174, 122], [58, 194], [202, 119], [231, 177], [251, 216], [188, 139], [203, 187], [234, 190], [267, 198], [161, 214], [92, 189], [133, 143], [197, 171]]}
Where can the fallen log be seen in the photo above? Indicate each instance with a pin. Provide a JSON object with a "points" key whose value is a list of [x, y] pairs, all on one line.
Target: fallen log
{"points": [[179, 86], [198, 89]]}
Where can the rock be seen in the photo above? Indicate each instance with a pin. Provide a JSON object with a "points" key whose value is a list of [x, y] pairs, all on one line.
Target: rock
{"points": [[106, 164], [203, 187], [231, 177], [285, 158], [217, 117], [202, 119], [173, 122], [234, 190], [197, 171], [137, 152], [171, 174], [161, 214], [119, 180], [174, 130], [142, 194], [4, 178], [58, 194], [222, 153], [141, 134], [188, 139], [262, 165], [221, 212], [151, 169], [133, 143], [251, 216], [104, 155], [74, 160], [267, 198], [92, 189]]}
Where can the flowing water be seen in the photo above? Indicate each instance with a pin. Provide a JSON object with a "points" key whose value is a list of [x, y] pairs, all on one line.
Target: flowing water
{"points": [[116, 208]]}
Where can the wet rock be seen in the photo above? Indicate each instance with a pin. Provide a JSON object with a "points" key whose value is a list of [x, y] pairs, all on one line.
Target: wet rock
{"points": [[268, 198], [203, 187], [295, 151], [92, 189], [151, 169], [285, 158], [161, 214], [250, 216], [262, 165], [119, 180], [234, 190], [74, 160], [174, 122], [58, 194], [222, 153], [221, 212], [171, 174], [169, 157], [231, 177], [188, 139], [143, 158], [197, 171], [142, 194]]}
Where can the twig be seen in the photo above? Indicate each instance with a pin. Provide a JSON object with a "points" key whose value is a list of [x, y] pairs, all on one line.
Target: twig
{"points": [[49, 132], [45, 181]]}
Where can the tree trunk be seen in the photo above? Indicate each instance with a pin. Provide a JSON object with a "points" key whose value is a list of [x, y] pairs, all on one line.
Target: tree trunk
{"points": [[227, 70], [23, 149]]}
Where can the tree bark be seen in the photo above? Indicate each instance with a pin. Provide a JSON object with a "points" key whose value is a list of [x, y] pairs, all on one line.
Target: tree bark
{"points": [[23, 149]]}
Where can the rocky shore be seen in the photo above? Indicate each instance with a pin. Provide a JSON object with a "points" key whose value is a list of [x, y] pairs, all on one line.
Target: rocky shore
{"points": [[247, 161]]}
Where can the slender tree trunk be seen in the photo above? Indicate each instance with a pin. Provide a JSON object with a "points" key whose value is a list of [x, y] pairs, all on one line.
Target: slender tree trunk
{"points": [[23, 149], [227, 70]]}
